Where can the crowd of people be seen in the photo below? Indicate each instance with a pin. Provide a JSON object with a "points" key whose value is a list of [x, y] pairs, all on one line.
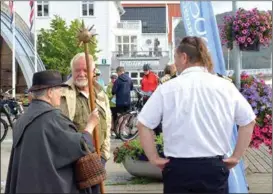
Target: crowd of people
{"points": [[195, 109]]}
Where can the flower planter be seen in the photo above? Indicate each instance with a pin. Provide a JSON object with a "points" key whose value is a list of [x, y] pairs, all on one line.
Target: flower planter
{"points": [[252, 47], [142, 169]]}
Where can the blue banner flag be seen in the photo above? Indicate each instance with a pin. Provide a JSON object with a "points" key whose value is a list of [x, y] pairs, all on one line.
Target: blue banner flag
{"points": [[199, 20]]}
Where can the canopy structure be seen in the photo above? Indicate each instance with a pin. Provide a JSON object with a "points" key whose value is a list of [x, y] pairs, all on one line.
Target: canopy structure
{"points": [[24, 47]]}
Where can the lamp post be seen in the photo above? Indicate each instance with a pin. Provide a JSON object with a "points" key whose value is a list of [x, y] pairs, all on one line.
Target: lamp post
{"points": [[236, 56]]}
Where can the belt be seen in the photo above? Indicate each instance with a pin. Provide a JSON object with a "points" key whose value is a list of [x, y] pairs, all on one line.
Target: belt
{"points": [[198, 158]]}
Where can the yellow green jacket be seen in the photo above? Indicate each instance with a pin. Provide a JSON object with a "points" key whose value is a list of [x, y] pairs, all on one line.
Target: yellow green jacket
{"points": [[109, 94], [68, 107]]}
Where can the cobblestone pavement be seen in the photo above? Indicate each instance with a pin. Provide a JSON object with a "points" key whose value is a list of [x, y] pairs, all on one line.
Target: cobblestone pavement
{"points": [[259, 178]]}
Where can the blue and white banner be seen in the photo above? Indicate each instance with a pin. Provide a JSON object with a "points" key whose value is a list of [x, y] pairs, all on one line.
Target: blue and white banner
{"points": [[199, 20]]}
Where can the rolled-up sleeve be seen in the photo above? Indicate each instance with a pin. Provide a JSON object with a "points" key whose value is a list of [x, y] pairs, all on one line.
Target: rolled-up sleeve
{"points": [[244, 113], [151, 114]]}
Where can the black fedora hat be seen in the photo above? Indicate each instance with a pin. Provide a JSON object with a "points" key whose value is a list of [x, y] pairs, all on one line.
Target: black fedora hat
{"points": [[46, 79]]}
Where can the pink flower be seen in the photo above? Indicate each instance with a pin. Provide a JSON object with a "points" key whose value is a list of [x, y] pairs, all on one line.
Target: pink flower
{"points": [[257, 133], [268, 142], [268, 116], [264, 129], [249, 40], [244, 31]]}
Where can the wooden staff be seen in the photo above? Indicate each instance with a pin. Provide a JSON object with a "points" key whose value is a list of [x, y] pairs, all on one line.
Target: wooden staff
{"points": [[85, 37]]}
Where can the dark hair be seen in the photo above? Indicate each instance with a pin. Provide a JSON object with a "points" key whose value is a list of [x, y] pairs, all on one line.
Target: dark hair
{"points": [[196, 50], [167, 70], [146, 67], [120, 69], [113, 76]]}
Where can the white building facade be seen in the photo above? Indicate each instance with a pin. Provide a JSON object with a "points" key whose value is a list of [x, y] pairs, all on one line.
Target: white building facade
{"points": [[123, 42], [104, 15]]}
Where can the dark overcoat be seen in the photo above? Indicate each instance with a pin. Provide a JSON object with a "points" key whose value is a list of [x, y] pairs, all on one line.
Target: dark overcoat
{"points": [[45, 148]]}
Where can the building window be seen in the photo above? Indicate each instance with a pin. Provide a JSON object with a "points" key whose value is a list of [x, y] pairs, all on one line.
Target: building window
{"points": [[126, 45], [88, 8], [42, 8]]}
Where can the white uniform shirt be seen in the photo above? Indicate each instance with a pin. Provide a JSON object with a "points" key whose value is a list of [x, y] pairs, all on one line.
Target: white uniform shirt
{"points": [[198, 111]]}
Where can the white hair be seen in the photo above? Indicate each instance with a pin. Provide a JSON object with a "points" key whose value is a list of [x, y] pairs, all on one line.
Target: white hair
{"points": [[77, 57]]}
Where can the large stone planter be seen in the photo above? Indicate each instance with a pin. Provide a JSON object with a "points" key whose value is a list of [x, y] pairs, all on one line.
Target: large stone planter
{"points": [[142, 169]]}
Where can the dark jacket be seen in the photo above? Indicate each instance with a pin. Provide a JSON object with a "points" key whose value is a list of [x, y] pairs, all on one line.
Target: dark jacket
{"points": [[45, 147], [122, 89]]}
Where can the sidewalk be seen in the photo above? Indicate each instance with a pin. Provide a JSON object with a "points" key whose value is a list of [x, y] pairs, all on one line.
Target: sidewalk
{"points": [[259, 176]]}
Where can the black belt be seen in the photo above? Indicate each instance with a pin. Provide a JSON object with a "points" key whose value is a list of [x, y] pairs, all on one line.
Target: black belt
{"points": [[198, 158]]}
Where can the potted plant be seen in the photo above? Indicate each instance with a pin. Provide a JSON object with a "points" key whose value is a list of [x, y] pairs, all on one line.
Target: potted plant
{"points": [[133, 158], [248, 28], [259, 96]]}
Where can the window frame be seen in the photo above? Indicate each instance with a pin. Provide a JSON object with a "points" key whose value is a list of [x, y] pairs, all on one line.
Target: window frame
{"points": [[130, 44], [42, 3], [88, 2]]}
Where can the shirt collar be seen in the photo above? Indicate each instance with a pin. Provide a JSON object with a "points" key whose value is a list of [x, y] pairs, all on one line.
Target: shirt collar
{"points": [[194, 69]]}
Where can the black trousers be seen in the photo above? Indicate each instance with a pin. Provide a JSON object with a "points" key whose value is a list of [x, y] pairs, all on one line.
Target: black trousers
{"points": [[196, 175], [122, 109], [114, 113]]}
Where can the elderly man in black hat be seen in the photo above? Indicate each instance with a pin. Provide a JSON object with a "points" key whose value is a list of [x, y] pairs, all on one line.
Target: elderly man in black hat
{"points": [[46, 144]]}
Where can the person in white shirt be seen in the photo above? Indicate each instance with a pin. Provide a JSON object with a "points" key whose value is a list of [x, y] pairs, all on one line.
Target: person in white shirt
{"points": [[198, 110]]}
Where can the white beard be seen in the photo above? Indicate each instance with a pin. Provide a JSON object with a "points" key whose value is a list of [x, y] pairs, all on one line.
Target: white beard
{"points": [[81, 83]]}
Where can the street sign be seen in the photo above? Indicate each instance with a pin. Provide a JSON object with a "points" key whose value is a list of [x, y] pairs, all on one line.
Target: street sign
{"points": [[103, 61]]}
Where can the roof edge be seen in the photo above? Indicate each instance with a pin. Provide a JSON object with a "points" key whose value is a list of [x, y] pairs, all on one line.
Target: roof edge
{"points": [[120, 8]]}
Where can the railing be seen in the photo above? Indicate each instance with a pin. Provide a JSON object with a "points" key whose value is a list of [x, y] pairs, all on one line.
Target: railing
{"points": [[141, 54], [129, 25], [266, 72]]}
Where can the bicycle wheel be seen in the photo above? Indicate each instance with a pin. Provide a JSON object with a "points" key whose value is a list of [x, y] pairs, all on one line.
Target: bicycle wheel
{"points": [[118, 124], [4, 129], [128, 130]]}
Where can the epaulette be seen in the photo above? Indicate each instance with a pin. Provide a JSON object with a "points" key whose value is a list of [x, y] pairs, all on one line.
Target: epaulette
{"points": [[225, 77]]}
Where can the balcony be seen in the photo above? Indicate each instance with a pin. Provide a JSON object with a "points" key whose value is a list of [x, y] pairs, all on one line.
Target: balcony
{"points": [[129, 25], [141, 54]]}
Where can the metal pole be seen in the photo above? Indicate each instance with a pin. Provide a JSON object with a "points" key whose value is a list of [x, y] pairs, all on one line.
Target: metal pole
{"points": [[271, 60], [236, 56], [13, 56], [228, 59], [35, 38]]}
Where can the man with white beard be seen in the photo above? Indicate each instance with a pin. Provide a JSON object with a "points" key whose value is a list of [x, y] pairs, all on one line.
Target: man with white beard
{"points": [[75, 105]]}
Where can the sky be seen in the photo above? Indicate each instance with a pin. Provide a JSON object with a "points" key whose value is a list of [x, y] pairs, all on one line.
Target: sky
{"points": [[223, 6]]}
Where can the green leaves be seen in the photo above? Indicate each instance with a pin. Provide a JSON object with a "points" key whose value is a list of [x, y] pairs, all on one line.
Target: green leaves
{"points": [[58, 45], [134, 150]]}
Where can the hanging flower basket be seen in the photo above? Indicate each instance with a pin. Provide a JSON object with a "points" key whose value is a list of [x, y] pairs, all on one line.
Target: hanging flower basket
{"points": [[248, 29], [250, 47]]}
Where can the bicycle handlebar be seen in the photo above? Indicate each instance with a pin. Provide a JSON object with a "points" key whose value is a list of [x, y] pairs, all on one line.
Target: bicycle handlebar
{"points": [[140, 92]]}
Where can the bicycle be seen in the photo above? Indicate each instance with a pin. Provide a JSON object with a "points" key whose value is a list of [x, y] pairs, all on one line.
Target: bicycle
{"points": [[11, 109], [128, 130], [4, 129]]}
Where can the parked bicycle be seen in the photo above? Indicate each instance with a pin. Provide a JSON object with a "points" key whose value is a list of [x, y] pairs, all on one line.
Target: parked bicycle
{"points": [[9, 108], [127, 129]]}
